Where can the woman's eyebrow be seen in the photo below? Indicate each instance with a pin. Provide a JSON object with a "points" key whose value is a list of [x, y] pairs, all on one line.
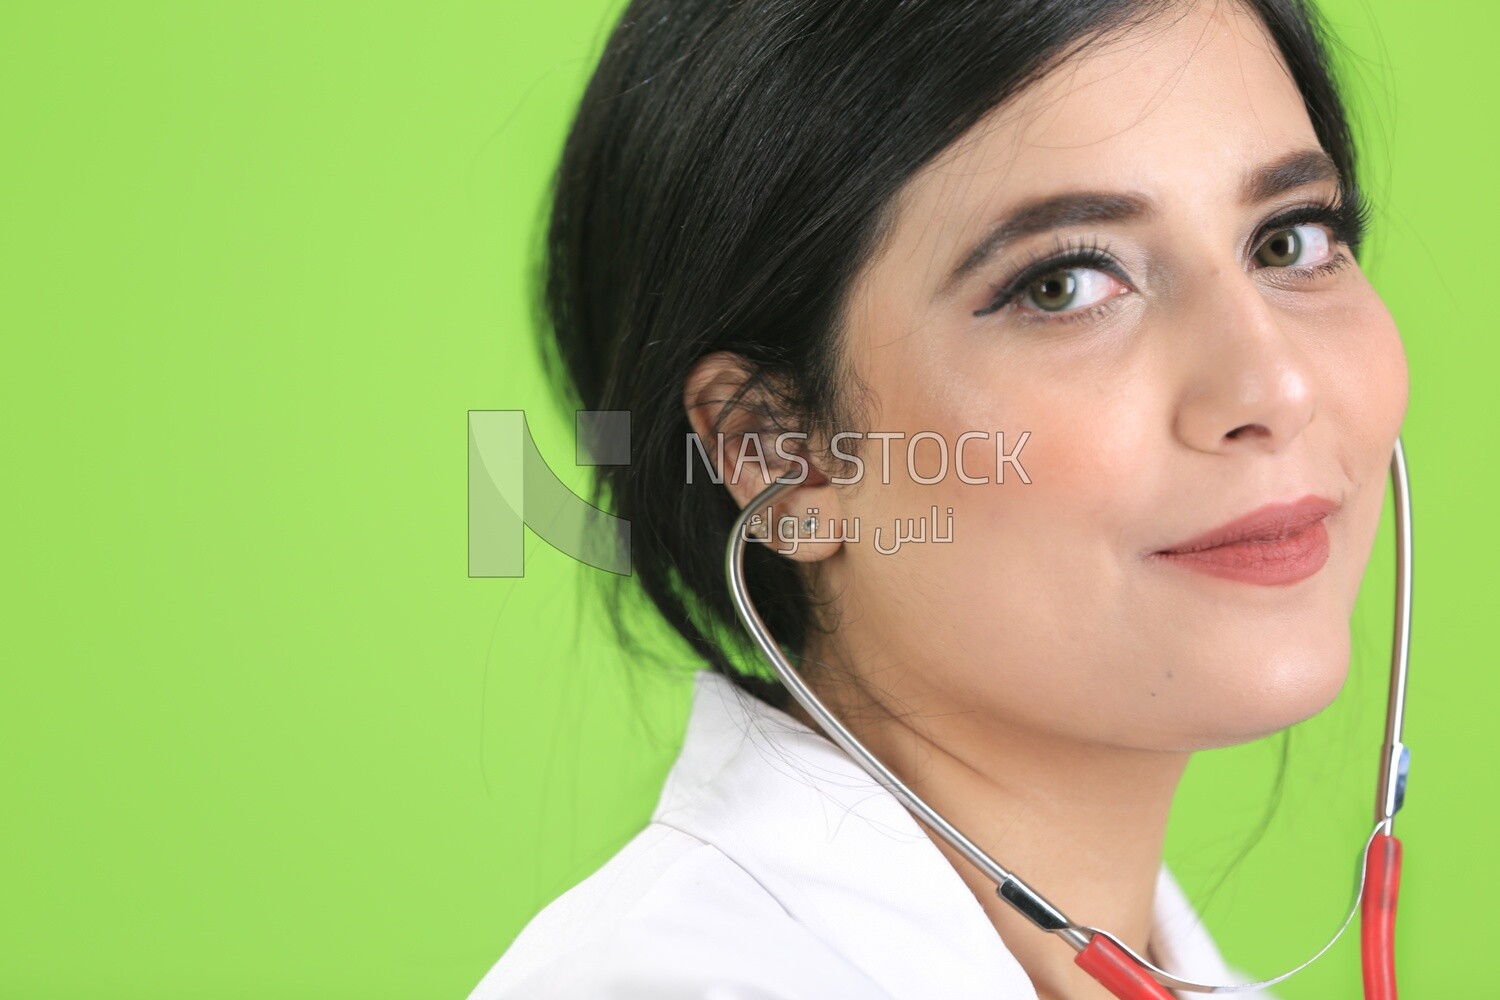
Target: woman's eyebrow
{"points": [[1042, 214], [1299, 167]]}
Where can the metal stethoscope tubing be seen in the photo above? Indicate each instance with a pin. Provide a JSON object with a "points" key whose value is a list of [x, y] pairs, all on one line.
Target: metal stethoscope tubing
{"points": [[1106, 957]]}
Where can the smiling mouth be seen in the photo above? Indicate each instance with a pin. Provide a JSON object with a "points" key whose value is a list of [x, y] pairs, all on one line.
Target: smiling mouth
{"points": [[1274, 545]]}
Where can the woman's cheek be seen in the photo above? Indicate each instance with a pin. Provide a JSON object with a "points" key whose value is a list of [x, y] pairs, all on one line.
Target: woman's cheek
{"points": [[1364, 364]]}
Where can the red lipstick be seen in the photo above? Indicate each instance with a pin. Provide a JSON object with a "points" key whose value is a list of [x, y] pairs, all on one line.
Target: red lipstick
{"points": [[1278, 544]]}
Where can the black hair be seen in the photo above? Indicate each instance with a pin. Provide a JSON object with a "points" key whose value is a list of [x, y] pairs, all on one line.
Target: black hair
{"points": [[731, 168]]}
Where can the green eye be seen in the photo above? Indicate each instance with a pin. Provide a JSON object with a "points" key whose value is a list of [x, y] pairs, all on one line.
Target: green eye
{"points": [[1281, 250], [1055, 292]]}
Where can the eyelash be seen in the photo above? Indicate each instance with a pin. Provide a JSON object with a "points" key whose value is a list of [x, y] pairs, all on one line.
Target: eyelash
{"points": [[1067, 254], [1346, 218]]}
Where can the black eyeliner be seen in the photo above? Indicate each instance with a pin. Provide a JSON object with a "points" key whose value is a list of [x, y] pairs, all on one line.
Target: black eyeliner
{"points": [[1347, 218], [1090, 255]]}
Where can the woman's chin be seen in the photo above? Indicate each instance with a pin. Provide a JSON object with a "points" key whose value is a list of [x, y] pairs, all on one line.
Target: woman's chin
{"points": [[1276, 692]]}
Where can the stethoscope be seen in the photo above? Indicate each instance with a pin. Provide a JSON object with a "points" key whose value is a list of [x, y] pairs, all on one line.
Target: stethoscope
{"points": [[1122, 971]]}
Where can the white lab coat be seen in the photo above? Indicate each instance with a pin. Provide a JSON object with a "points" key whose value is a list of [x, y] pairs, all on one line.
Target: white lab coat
{"points": [[774, 868]]}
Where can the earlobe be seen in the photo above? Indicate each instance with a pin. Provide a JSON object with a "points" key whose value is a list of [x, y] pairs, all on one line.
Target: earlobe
{"points": [[813, 536]]}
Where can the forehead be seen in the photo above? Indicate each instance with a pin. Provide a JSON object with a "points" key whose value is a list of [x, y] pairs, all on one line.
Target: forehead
{"points": [[1179, 108]]}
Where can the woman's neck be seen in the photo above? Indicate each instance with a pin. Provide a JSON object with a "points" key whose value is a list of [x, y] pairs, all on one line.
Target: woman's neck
{"points": [[1082, 823]]}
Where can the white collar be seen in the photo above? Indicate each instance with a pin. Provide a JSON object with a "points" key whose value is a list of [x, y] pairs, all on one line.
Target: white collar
{"points": [[849, 862]]}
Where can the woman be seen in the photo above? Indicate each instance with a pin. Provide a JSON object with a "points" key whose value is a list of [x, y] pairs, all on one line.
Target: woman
{"points": [[1075, 282]]}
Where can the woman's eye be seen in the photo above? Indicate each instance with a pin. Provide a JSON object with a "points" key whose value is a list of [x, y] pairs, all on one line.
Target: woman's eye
{"points": [[1070, 288], [1296, 246]]}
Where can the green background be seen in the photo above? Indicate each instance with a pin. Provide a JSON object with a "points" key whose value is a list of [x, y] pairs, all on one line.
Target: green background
{"points": [[261, 733]]}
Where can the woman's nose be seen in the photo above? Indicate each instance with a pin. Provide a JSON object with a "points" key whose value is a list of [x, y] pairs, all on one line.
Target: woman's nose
{"points": [[1244, 380]]}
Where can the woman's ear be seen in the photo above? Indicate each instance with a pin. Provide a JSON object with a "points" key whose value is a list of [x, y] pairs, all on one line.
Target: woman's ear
{"points": [[747, 449]]}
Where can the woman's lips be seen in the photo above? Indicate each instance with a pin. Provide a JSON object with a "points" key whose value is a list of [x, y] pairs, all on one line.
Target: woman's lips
{"points": [[1279, 543]]}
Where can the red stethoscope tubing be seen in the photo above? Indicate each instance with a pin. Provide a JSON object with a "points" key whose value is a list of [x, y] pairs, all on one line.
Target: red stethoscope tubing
{"points": [[1118, 972], [1377, 917]]}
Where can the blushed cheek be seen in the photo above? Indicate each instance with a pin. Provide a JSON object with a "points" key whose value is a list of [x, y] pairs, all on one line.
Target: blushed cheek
{"points": [[1010, 530], [1369, 369], [1381, 391]]}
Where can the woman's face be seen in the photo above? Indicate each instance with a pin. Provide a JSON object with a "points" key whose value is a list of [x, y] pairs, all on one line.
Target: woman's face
{"points": [[1205, 354]]}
